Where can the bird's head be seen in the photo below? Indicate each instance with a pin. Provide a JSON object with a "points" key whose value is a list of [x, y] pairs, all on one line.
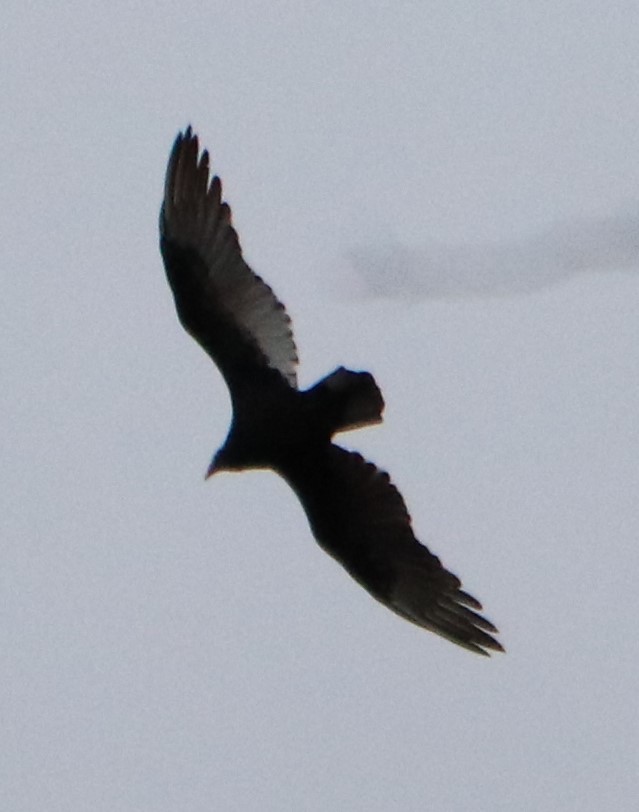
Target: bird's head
{"points": [[228, 458], [238, 453], [218, 463]]}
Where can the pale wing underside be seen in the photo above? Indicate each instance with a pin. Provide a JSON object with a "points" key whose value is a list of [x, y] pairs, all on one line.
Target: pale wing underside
{"points": [[195, 221]]}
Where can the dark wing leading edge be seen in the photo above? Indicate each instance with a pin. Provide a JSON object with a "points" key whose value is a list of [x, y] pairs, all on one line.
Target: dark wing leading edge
{"points": [[359, 517], [227, 308]]}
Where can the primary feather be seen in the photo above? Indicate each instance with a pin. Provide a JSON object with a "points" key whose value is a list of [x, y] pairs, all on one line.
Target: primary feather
{"points": [[356, 514]]}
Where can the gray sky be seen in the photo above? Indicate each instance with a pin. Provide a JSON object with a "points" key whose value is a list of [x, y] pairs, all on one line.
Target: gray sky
{"points": [[169, 644]]}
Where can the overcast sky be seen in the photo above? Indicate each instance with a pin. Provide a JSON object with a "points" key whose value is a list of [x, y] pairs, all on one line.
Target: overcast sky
{"points": [[170, 644]]}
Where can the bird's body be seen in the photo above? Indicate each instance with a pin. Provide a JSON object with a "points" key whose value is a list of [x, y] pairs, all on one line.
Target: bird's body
{"points": [[354, 511]]}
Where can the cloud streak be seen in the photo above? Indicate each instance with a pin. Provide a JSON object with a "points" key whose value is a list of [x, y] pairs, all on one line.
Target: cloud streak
{"points": [[439, 270]]}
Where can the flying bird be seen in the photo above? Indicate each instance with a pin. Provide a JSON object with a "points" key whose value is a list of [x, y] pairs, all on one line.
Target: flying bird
{"points": [[355, 512]]}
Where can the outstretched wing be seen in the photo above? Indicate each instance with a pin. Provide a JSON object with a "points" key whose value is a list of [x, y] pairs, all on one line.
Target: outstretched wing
{"points": [[227, 308], [359, 517]]}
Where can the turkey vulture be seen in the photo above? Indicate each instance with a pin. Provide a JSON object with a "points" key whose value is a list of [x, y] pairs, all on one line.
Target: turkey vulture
{"points": [[356, 514]]}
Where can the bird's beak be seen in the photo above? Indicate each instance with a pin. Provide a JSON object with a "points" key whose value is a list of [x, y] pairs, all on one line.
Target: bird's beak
{"points": [[212, 469]]}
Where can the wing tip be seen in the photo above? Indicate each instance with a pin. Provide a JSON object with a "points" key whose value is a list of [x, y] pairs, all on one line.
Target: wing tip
{"points": [[474, 628], [450, 617], [472, 637]]}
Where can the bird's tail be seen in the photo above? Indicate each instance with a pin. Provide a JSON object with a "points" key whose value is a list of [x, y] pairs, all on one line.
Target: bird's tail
{"points": [[351, 399]]}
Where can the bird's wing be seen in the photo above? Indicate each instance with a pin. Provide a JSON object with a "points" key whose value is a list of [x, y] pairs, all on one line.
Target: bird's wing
{"points": [[359, 517], [227, 308]]}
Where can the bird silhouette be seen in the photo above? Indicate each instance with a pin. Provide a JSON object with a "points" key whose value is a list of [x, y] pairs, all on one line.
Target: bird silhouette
{"points": [[355, 512]]}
